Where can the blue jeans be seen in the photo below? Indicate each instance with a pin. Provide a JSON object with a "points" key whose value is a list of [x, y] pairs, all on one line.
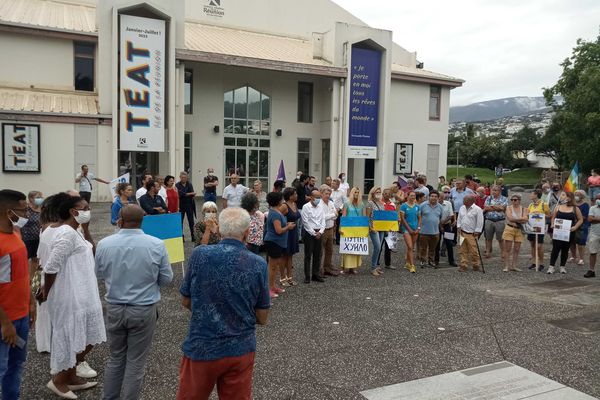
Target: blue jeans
{"points": [[210, 197], [12, 362], [377, 239]]}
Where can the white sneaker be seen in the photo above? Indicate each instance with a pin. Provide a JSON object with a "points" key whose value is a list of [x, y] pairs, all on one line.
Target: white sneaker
{"points": [[550, 270], [84, 370], [563, 270]]}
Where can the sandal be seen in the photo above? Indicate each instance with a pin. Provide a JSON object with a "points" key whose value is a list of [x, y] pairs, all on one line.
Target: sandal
{"points": [[284, 282], [375, 273], [291, 282]]}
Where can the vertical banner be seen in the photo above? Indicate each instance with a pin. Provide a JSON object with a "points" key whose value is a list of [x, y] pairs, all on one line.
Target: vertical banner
{"points": [[364, 103], [142, 84], [20, 148]]}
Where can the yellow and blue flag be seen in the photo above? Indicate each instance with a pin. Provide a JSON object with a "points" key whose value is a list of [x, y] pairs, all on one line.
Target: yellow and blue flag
{"points": [[166, 227], [354, 226], [572, 183], [384, 221]]}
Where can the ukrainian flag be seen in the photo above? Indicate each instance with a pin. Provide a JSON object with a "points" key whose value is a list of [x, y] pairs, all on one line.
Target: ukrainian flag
{"points": [[572, 183], [354, 226], [166, 227], [384, 221]]}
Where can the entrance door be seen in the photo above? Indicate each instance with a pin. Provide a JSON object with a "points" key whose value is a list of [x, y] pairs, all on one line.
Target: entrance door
{"points": [[433, 162], [136, 163]]}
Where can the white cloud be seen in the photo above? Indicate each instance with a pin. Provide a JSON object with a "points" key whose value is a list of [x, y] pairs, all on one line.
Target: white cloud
{"points": [[502, 49]]}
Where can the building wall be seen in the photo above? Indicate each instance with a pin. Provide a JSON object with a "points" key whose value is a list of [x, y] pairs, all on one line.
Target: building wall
{"points": [[34, 60], [210, 84], [57, 155]]}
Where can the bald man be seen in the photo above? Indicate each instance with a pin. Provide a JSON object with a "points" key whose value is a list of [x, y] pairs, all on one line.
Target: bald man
{"points": [[133, 266], [470, 225]]}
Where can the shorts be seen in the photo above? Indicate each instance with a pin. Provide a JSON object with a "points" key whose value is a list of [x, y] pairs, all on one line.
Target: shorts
{"points": [[492, 227], [593, 244], [32, 247], [512, 234], [531, 238], [274, 250]]}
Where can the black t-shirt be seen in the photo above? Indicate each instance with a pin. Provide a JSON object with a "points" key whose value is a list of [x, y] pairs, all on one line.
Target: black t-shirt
{"points": [[210, 179]]}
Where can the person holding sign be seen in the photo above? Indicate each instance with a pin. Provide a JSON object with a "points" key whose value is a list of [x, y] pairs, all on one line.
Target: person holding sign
{"points": [[512, 237], [537, 206], [410, 214], [353, 208], [566, 219], [375, 203]]}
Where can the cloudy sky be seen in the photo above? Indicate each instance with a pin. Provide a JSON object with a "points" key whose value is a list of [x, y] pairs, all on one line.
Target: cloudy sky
{"points": [[501, 48]]}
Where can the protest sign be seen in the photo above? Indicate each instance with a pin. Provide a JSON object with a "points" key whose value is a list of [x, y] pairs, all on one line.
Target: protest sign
{"points": [[562, 229], [354, 245], [536, 224]]}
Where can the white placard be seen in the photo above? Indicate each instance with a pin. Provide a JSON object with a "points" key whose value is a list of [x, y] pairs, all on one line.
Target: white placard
{"points": [[142, 84], [113, 184], [536, 224], [562, 229], [358, 246], [392, 240], [20, 148], [449, 235]]}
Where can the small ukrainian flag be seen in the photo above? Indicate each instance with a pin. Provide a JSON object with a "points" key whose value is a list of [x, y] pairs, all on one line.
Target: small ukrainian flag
{"points": [[166, 227], [354, 226], [384, 221]]}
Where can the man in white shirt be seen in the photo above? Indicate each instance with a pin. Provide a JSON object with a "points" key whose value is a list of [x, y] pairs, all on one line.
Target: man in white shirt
{"points": [[339, 198], [232, 194], [344, 185], [313, 227], [162, 192], [470, 226], [142, 190], [85, 178], [331, 214]]}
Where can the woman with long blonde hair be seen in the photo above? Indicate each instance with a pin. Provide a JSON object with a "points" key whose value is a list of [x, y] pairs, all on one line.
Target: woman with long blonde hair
{"points": [[375, 204], [354, 207]]}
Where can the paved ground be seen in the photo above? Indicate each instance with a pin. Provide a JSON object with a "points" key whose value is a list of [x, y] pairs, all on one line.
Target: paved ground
{"points": [[349, 334]]}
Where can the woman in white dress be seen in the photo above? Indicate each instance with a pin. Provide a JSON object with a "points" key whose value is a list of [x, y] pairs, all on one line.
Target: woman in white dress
{"points": [[71, 290]]}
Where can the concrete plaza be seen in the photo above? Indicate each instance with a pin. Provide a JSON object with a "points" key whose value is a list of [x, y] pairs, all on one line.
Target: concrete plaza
{"points": [[336, 339]]}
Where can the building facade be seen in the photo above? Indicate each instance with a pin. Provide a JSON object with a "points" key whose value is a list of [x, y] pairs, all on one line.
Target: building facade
{"points": [[237, 85]]}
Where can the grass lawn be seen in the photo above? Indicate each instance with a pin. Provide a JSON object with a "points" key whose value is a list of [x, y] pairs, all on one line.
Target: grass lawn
{"points": [[523, 176]]}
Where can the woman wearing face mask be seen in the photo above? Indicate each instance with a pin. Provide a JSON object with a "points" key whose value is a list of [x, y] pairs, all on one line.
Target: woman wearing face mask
{"points": [[566, 209], [375, 203], [71, 291], [251, 204], [30, 232], [581, 235], [354, 207], [206, 230]]}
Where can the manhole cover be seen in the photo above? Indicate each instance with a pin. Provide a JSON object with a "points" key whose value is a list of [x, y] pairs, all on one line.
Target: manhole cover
{"points": [[562, 284], [589, 323]]}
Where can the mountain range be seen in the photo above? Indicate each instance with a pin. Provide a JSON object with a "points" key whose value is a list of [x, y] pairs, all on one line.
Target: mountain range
{"points": [[499, 108]]}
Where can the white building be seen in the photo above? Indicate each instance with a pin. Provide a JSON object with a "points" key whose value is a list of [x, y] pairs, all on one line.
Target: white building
{"points": [[231, 84]]}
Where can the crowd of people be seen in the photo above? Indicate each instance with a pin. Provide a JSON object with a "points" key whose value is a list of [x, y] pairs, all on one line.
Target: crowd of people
{"points": [[243, 259]]}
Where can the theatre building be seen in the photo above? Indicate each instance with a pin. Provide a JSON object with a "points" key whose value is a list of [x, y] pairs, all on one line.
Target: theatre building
{"points": [[238, 85]]}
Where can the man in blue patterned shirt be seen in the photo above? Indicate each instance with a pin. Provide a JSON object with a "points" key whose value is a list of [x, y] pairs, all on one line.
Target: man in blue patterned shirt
{"points": [[226, 289]]}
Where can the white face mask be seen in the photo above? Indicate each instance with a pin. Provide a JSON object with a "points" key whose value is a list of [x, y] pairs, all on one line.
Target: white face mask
{"points": [[21, 222], [378, 196], [83, 217], [598, 202], [210, 215], [578, 198]]}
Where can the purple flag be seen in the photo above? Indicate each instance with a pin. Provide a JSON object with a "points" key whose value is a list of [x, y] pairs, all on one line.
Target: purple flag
{"points": [[402, 182], [281, 172]]}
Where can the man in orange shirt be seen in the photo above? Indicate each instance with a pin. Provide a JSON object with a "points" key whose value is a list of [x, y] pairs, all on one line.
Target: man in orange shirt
{"points": [[17, 307]]}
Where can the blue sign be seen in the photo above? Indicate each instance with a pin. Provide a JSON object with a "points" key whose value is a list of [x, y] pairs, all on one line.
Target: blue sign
{"points": [[364, 102]]}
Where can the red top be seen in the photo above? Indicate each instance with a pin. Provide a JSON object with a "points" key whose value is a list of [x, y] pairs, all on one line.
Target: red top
{"points": [[14, 276], [172, 200], [480, 201]]}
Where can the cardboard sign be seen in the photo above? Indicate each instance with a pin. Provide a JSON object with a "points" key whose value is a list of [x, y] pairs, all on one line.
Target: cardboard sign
{"points": [[354, 245], [536, 224]]}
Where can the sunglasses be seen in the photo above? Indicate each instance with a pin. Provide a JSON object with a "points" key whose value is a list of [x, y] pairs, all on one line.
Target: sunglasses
{"points": [[514, 199]]}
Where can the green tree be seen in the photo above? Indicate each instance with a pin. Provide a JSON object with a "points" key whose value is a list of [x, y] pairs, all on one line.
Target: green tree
{"points": [[575, 127], [485, 151], [524, 141]]}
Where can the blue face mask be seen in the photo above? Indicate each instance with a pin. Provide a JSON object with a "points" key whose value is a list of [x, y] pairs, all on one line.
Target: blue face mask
{"points": [[317, 201], [598, 202], [38, 201]]}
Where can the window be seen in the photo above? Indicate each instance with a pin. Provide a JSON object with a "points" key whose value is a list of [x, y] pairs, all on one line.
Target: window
{"points": [[434, 102], [84, 66], [187, 91], [305, 102], [247, 130], [187, 151], [304, 155]]}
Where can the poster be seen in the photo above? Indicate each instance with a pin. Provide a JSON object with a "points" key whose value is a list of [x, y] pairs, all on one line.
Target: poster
{"points": [[20, 148], [403, 158], [168, 228], [364, 103], [113, 184], [562, 229], [142, 84], [354, 245], [536, 224]]}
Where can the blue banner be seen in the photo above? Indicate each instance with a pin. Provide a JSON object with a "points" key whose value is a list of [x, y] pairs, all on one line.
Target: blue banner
{"points": [[364, 102]]}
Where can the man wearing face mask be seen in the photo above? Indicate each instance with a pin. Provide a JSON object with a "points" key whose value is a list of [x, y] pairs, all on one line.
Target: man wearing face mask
{"points": [[545, 192], [210, 185], [554, 196], [313, 227], [133, 266], [594, 236], [447, 225], [17, 308]]}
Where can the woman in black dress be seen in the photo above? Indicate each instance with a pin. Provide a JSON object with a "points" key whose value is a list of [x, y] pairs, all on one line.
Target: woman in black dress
{"points": [[293, 215], [566, 210]]}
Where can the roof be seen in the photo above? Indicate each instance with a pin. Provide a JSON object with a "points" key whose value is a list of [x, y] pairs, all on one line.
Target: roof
{"points": [[37, 101], [48, 14], [403, 72]]}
